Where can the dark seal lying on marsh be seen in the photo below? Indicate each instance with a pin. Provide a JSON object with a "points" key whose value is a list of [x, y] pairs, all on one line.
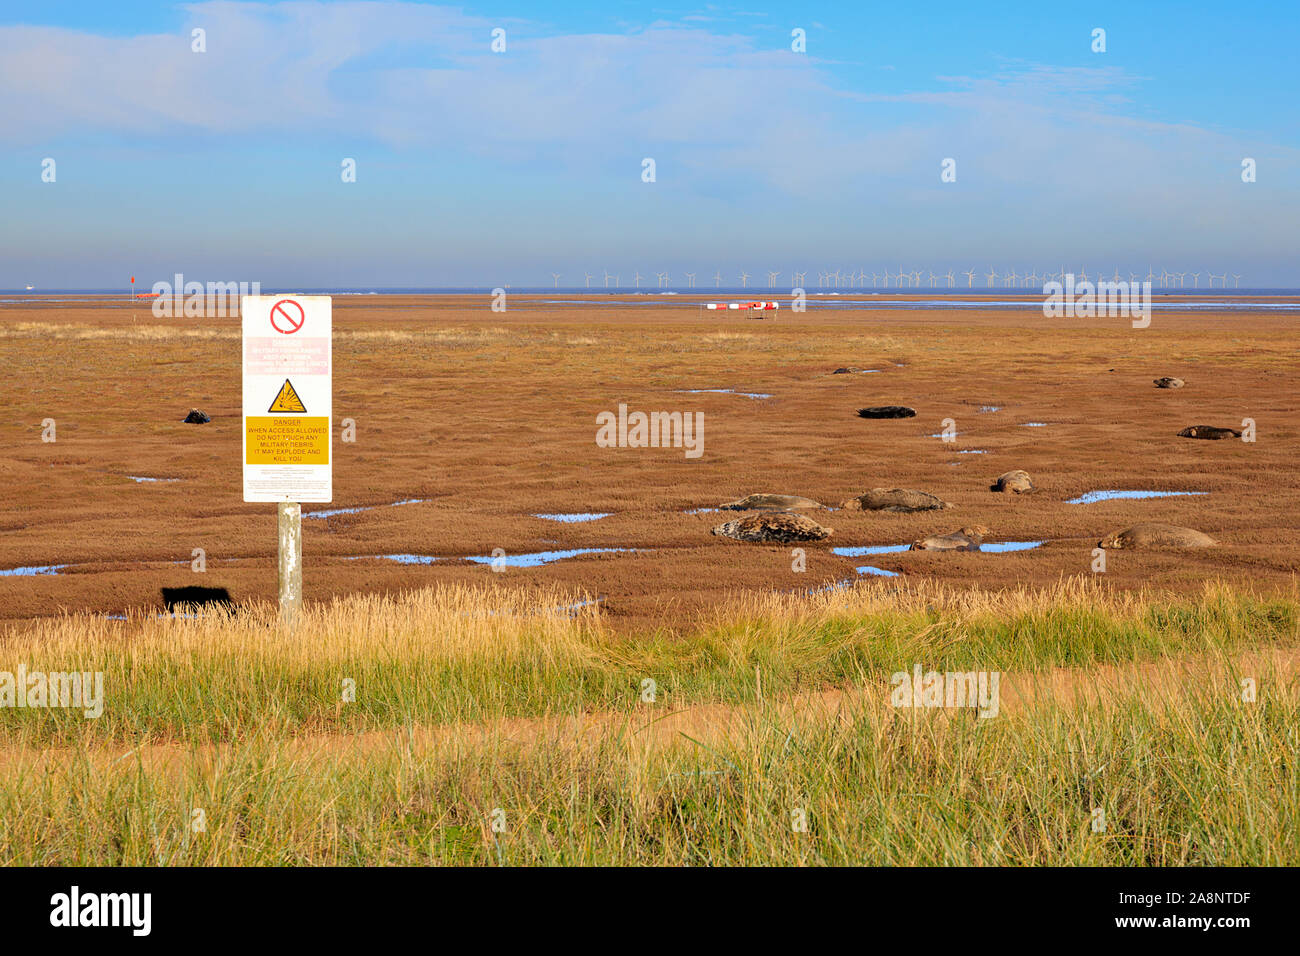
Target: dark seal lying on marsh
{"points": [[1168, 381], [1209, 432], [887, 411], [196, 417], [776, 526]]}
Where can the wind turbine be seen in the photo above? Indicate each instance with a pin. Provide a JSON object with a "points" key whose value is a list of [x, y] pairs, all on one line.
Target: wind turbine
{"points": [[799, 278], [970, 278], [771, 279], [744, 279], [1236, 280], [637, 278], [690, 280], [1150, 273], [588, 275], [992, 277], [1196, 280], [717, 279], [607, 278], [1011, 277], [1083, 275], [663, 279], [557, 279], [1032, 278]]}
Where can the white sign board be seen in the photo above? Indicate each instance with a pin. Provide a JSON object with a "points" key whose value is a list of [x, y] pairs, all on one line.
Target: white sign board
{"points": [[288, 392]]}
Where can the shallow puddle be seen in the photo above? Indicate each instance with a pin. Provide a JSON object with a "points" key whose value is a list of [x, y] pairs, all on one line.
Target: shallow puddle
{"points": [[993, 547], [576, 517], [723, 391], [879, 572], [141, 479], [1091, 497], [32, 571], [538, 558], [1033, 424], [857, 552], [360, 508]]}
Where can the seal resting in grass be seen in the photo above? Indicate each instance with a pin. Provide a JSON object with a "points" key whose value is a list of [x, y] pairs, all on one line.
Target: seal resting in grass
{"points": [[1168, 381], [1211, 432], [967, 539], [777, 526], [895, 499], [1015, 482], [1154, 536], [887, 411], [196, 417], [770, 503]]}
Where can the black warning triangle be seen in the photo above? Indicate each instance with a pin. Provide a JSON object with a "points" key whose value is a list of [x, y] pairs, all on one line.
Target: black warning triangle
{"points": [[287, 400]]}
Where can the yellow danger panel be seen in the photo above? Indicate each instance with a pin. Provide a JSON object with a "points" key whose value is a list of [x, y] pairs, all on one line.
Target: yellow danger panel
{"points": [[269, 440], [287, 400]]}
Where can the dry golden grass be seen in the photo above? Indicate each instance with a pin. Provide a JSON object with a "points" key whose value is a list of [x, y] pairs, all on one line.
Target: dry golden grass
{"points": [[474, 708]]}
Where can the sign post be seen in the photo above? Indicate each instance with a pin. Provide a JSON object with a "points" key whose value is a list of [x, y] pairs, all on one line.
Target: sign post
{"points": [[288, 523], [288, 418]]}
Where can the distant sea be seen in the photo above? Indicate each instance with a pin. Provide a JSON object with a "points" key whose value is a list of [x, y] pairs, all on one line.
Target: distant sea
{"points": [[858, 299]]}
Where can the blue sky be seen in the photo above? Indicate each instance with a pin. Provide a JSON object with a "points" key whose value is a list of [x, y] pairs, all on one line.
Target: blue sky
{"points": [[478, 168]]}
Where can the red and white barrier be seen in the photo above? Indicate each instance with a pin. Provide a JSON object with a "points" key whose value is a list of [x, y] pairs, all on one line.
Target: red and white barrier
{"points": [[743, 305]]}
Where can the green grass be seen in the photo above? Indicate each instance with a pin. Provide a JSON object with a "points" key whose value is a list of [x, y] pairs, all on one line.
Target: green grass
{"points": [[471, 700], [461, 655], [1201, 779]]}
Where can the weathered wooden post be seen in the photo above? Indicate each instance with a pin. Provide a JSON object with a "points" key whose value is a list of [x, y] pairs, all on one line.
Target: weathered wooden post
{"points": [[289, 526]]}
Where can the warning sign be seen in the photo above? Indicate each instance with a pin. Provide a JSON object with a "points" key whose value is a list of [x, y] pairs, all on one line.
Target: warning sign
{"points": [[287, 400], [287, 441]]}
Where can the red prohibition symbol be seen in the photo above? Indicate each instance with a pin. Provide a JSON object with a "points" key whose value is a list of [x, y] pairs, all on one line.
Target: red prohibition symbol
{"points": [[287, 316]]}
